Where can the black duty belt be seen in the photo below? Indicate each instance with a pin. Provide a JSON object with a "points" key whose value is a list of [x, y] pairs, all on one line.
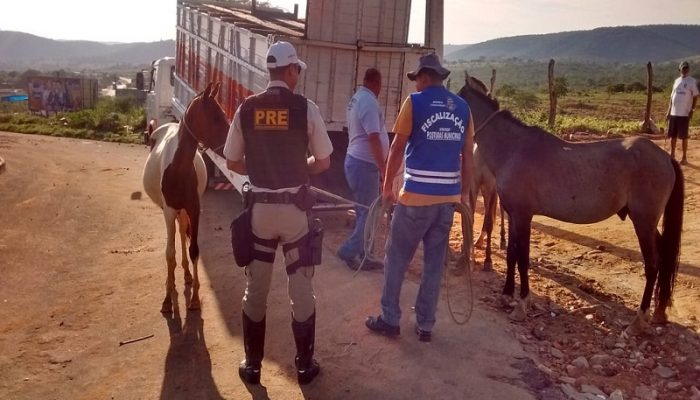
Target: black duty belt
{"points": [[274, 198]]}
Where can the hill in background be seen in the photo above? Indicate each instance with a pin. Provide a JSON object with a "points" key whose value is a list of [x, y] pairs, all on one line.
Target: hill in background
{"points": [[20, 50], [625, 44]]}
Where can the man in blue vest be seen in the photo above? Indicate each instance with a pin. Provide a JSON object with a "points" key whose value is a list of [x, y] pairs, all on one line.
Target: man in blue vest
{"points": [[435, 133]]}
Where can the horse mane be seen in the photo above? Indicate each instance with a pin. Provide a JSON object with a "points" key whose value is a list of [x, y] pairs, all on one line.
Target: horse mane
{"points": [[479, 89], [534, 131], [512, 118]]}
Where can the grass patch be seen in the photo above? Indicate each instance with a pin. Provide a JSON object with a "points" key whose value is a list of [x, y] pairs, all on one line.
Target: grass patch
{"points": [[590, 111], [112, 120]]}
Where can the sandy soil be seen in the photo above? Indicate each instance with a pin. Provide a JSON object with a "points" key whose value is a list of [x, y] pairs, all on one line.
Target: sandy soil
{"points": [[83, 267]]}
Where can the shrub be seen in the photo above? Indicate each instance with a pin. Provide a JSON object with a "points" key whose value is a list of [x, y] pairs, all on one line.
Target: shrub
{"points": [[616, 88], [526, 100], [111, 122], [506, 91], [561, 86], [636, 87]]}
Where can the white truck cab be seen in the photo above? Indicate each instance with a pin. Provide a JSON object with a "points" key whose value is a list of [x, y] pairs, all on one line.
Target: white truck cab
{"points": [[159, 108]]}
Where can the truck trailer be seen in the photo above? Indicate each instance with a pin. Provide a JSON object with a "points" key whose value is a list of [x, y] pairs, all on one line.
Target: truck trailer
{"points": [[227, 41]]}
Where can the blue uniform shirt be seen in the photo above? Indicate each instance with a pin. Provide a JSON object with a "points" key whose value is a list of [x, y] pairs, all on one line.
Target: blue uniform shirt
{"points": [[364, 117]]}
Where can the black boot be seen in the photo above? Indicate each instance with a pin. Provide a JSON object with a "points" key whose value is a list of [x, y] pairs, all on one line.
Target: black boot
{"points": [[304, 336], [254, 343]]}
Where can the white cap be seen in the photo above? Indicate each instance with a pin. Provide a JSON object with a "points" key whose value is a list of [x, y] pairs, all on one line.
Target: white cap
{"points": [[281, 54]]}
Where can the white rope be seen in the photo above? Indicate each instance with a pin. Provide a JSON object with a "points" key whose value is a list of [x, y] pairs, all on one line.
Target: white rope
{"points": [[375, 214], [336, 197], [467, 237]]}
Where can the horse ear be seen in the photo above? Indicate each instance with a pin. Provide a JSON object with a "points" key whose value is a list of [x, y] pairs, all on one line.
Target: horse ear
{"points": [[207, 91], [215, 90], [466, 78]]}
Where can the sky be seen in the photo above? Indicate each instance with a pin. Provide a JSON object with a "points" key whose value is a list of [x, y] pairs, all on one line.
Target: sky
{"points": [[466, 21]]}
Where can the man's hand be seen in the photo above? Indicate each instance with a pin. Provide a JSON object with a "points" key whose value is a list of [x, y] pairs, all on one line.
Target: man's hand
{"points": [[388, 198], [668, 116], [690, 114]]}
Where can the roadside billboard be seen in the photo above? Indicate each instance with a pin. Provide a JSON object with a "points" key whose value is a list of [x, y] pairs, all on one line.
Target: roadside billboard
{"points": [[51, 94]]}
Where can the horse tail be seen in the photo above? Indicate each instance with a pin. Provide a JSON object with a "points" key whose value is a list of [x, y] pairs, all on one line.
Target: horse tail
{"points": [[670, 243]]}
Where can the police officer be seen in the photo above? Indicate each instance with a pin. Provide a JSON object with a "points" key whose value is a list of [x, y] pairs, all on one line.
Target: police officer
{"points": [[268, 140]]}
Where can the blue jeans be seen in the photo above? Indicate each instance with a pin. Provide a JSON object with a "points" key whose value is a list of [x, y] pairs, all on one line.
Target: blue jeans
{"points": [[363, 179], [409, 226]]}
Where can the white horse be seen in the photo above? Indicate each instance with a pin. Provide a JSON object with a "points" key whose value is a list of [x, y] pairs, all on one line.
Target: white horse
{"points": [[175, 178]]}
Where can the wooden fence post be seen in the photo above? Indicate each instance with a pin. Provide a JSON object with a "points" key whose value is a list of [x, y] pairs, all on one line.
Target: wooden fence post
{"points": [[552, 95], [493, 83], [646, 126]]}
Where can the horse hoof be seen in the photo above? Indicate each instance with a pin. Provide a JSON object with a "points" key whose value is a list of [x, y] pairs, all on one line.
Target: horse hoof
{"points": [[518, 314], [639, 325], [507, 301], [659, 318]]}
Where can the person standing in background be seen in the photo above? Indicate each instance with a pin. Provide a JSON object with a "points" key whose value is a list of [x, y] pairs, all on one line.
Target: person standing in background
{"points": [[365, 162], [680, 109]]}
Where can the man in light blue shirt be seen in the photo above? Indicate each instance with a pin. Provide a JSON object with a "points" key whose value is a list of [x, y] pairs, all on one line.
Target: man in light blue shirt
{"points": [[365, 161]]}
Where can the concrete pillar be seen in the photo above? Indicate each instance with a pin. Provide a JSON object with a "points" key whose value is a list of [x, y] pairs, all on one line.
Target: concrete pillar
{"points": [[434, 24]]}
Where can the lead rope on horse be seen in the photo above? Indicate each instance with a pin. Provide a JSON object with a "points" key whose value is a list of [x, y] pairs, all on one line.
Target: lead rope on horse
{"points": [[486, 122]]}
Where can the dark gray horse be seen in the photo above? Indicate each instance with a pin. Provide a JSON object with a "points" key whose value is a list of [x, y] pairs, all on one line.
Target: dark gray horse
{"points": [[539, 174]]}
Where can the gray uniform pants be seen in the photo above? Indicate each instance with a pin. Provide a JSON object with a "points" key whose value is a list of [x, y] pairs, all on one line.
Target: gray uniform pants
{"points": [[287, 223]]}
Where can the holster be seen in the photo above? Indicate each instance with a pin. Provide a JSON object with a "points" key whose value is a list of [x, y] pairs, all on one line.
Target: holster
{"points": [[309, 246], [315, 241], [242, 233], [305, 199]]}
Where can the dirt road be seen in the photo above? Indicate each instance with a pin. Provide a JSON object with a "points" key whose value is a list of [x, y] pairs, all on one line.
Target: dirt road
{"points": [[82, 255]]}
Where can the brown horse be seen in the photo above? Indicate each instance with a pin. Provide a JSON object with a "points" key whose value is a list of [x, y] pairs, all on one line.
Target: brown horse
{"points": [[539, 174], [175, 177]]}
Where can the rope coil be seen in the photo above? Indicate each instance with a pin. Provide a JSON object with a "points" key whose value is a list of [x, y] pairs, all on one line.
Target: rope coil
{"points": [[375, 217], [462, 263]]}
